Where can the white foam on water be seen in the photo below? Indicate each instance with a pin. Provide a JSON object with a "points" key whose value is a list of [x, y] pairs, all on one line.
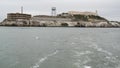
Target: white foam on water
{"points": [[43, 59], [87, 67], [39, 62], [100, 49], [80, 62], [53, 53], [79, 65], [111, 58], [108, 56], [36, 66], [82, 53], [72, 43], [36, 37]]}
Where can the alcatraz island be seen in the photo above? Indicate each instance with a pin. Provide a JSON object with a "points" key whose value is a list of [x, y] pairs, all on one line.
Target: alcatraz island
{"points": [[65, 19]]}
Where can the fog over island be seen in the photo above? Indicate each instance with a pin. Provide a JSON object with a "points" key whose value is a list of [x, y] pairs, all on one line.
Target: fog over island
{"points": [[106, 8]]}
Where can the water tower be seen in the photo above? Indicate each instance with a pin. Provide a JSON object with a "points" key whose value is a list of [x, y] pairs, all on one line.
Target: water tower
{"points": [[96, 12], [53, 13], [21, 9]]}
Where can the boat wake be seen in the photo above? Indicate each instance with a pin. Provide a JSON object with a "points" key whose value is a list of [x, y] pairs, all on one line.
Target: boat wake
{"points": [[41, 60], [95, 57]]}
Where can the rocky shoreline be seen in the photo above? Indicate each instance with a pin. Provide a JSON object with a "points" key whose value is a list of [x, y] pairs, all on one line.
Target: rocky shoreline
{"points": [[61, 24]]}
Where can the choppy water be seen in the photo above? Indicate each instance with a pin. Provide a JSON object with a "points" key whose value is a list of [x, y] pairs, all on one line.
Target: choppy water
{"points": [[34, 47]]}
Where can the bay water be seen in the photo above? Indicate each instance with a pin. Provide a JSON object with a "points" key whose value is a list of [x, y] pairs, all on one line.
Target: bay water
{"points": [[59, 47]]}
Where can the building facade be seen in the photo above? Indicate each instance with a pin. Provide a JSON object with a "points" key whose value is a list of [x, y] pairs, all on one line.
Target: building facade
{"points": [[49, 18], [16, 16], [82, 13]]}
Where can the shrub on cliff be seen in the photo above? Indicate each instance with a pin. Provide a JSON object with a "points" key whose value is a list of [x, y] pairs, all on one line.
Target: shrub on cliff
{"points": [[80, 17], [64, 24], [86, 18]]}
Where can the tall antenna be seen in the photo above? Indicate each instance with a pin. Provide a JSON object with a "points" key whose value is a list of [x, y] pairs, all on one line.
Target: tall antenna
{"points": [[21, 9], [96, 12], [53, 13]]}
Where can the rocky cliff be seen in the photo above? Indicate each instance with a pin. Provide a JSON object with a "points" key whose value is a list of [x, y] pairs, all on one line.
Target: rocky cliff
{"points": [[61, 21]]}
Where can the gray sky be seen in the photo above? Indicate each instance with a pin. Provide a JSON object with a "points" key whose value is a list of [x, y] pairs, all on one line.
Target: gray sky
{"points": [[109, 9]]}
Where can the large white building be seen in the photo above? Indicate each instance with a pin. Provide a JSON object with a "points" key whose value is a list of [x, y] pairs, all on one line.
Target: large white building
{"points": [[82, 13]]}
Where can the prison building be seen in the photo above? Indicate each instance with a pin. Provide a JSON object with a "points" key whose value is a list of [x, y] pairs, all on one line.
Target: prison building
{"points": [[82, 13], [16, 16]]}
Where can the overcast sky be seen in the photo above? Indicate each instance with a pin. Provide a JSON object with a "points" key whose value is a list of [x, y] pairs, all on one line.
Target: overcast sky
{"points": [[109, 9]]}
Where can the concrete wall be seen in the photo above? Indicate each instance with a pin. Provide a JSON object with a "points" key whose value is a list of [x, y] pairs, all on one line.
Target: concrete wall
{"points": [[50, 19]]}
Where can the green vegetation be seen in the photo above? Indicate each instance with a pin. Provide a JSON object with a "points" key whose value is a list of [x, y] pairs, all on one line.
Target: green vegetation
{"points": [[80, 17], [96, 17], [64, 24], [86, 18]]}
